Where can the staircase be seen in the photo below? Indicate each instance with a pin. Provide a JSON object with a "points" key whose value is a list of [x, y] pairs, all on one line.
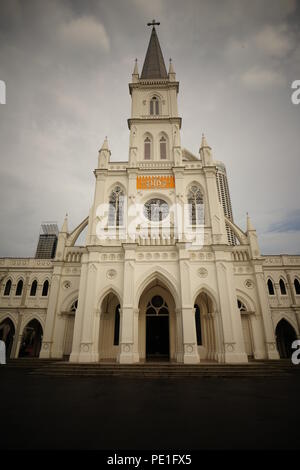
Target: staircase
{"points": [[42, 367]]}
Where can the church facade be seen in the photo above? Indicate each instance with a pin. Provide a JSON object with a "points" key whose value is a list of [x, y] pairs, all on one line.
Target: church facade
{"points": [[165, 273]]}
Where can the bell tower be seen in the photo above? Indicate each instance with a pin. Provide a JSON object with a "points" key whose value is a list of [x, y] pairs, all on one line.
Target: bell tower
{"points": [[154, 123]]}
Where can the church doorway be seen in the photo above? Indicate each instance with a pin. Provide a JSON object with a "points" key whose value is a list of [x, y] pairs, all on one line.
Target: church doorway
{"points": [[285, 335], [31, 340], [7, 333], [157, 325], [157, 329]]}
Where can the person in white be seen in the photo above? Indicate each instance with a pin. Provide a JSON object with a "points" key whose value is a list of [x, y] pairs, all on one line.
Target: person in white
{"points": [[2, 352]]}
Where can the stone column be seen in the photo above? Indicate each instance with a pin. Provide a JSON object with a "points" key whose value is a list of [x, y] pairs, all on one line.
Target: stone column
{"points": [[179, 336], [190, 349], [46, 349], [278, 293], [18, 337], [234, 348], [128, 316], [74, 357], [270, 340], [291, 288], [88, 351]]}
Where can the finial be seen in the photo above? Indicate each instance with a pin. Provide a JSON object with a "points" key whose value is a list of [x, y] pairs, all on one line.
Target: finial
{"points": [[105, 144], [135, 70], [171, 70], [204, 142], [64, 228], [249, 223], [153, 23]]}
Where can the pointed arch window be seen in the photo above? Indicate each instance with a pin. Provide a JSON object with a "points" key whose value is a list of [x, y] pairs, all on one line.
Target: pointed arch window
{"points": [[270, 287], [7, 287], [147, 148], [195, 206], [117, 326], [198, 325], [154, 106], [74, 306], [241, 306], [282, 287], [297, 286], [19, 288], [163, 148], [33, 288], [116, 207], [45, 288]]}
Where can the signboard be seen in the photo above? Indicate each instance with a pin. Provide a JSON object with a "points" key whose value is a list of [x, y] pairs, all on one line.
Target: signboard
{"points": [[155, 182]]}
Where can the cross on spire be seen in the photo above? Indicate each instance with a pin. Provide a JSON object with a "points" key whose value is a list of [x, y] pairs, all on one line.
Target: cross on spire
{"points": [[153, 23]]}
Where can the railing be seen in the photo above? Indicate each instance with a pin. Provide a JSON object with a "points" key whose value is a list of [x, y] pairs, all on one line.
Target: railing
{"points": [[240, 254], [154, 165], [73, 254]]}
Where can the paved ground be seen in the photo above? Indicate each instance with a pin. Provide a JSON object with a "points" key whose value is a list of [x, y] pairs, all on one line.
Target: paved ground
{"points": [[119, 413]]}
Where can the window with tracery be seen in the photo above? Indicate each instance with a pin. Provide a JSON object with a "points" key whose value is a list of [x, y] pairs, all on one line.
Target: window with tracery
{"points": [[33, 288], [117, 326], [7, 288], [147, 149], [270, 287], [157, 306], [198, 325], [282, 287], [116, 207], [195, 206], [154, 106], [163, 148], [156, 210], [19, 288], [74, 306], [241, 306], [297, 286], [45, 289]]}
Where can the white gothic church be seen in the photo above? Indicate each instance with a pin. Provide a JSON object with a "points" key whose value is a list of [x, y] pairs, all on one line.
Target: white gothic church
{"points": [[165, 273]]}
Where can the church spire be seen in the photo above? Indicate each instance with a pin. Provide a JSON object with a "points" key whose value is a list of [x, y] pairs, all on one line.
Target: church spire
{"points": [[64, 228], [154, 65], [172, 75]]}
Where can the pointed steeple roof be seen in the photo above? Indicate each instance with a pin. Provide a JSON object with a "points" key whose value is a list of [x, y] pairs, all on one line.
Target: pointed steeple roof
{"points": [[154, 65]]}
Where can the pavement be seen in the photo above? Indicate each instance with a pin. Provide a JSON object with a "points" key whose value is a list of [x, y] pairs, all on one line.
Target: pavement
{"points": [[108, 413]]}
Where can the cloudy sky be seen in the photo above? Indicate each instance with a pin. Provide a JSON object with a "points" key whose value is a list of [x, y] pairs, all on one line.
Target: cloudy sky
{"points": [[67, 64]]}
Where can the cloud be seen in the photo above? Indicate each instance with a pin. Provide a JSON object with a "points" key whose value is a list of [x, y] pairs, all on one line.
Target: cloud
{"points": [[289, 223], [275, 41], [261, 78], [85, 33]]}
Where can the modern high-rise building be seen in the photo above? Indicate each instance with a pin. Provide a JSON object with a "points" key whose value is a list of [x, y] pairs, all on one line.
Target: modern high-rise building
{"points": [[224, 198], [47, 243]]}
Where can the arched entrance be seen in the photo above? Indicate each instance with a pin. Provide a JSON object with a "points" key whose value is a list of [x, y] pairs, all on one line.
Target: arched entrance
{"points": [[69, 330], [205, 326], [31, 340], [109, 337], [157, 328], [246, 327], [285, 335], [7, 333]]}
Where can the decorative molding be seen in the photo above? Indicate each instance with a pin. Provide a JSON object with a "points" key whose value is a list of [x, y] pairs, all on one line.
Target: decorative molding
{"points": [[202, 272], [111, 274]]}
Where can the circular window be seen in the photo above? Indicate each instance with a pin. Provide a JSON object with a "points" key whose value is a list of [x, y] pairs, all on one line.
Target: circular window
{"points": [[156, 210]]}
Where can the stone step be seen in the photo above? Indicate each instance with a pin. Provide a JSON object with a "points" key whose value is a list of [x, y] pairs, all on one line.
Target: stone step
{"points": [[53, 367]]}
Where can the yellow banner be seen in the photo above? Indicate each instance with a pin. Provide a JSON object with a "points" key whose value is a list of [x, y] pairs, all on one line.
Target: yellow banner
{"points": [[155, 182]]}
